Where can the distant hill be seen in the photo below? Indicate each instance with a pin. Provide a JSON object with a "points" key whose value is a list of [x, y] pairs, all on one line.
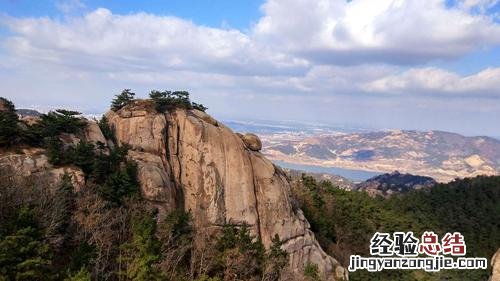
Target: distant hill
{"points": [[440, 155], [395, 182], [336, 180], [28, 112]]}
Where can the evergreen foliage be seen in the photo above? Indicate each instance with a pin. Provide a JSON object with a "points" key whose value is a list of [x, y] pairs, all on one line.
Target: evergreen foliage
{"points": [[82, 275], [346, 220], [311, 272], [121, 100], [64, 200], [121, 184], [23, 253], [106, 129], [142, 253], [60, 121], [9, 130], [276, 260], [168, 100], [239, 254]]}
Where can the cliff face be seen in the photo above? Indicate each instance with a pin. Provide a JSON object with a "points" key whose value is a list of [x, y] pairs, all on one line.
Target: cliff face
{"points": [[187, 159]]}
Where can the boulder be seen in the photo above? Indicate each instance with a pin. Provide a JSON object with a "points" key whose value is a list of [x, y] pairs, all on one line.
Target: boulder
{"points": [[221, 177], [252, 142], [93, 134]]}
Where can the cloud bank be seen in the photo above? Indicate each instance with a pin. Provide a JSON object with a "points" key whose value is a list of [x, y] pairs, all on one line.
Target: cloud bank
{"points": [[299, 49]]}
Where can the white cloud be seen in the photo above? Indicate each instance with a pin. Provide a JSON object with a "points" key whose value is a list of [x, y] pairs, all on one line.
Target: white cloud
{"points": [[301, 58], [481, 6], [361, 31], [434, 80], [103, 41], [70, 6]]}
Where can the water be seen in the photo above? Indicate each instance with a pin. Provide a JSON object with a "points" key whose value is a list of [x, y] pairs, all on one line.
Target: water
{"points": [[354, 175]]}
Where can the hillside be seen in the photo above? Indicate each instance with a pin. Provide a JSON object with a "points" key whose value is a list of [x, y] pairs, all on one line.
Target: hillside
{"points": [[344, 221], [392, 183], [440, 155], [155, 190]]}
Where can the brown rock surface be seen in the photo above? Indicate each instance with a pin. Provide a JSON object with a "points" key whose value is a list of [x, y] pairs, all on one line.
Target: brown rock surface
{"points": [[32, 162], [495, 266], [252, 142], [92, 133], [188, 159]]}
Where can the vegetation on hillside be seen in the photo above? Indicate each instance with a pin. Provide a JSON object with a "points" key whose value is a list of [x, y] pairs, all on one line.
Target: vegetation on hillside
{"points": [[344, 221], [106, 230], [163, 100], [168, 100], [122, 99]]}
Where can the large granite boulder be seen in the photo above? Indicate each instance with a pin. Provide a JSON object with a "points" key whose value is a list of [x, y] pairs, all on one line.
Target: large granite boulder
{"points": [[252, 142], [187, 159]]}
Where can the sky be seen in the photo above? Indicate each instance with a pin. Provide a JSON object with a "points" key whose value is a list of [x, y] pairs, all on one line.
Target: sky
{"points": [[425, 65]]}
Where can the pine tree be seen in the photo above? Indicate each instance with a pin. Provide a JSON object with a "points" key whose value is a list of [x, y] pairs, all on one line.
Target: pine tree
{"points": [[142, 253], [23, 254], [122, 99], [9, 130], [64, 200]]}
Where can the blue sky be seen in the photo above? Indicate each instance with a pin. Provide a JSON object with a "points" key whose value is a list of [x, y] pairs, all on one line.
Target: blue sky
{"points": [[238, 14], [429, 64]]}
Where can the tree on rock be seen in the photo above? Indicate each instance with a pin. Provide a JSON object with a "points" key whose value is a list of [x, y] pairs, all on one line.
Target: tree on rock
{"points": [[122, 99]]}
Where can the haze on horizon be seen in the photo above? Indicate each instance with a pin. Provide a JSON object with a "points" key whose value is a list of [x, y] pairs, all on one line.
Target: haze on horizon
{"points": [[429, 64]]}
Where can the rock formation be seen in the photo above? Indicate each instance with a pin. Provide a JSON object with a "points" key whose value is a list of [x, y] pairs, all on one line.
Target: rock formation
{"points": [[33, 162], [187, 159]]}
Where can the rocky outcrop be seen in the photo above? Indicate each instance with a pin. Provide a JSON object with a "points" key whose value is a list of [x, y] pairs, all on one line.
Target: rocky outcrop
{"points": [[252, 142], [34, 163], [187, 159], [495, 267], [92, 133], [139, 126]]}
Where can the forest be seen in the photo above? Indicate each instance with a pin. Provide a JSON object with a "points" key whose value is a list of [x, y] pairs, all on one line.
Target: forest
{"points": [[344, 221]]}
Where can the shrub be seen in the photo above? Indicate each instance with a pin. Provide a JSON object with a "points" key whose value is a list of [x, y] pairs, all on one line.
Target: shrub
{"points": [[56, 152], [167, 100], [62, 209], [199, 106], [23, 254], [82, 275], [121, 184], [238, 254], [142, 253], [311, 272], [121, 100], [276, 260], [176, 236], [60, 121], [83, 156], [106, 129]]}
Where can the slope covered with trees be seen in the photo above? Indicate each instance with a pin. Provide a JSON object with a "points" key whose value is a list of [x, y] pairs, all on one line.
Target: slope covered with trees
{"points": [[344, 221], [106, 230]]}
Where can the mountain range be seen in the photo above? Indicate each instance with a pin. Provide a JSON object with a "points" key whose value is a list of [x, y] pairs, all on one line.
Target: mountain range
{"points": [[437, 154]]}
